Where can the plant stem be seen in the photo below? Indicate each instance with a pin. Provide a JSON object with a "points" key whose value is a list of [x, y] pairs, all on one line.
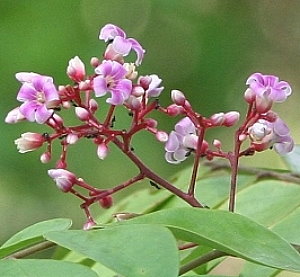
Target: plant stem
{"points": [[191, 190], [201, 260], [31, 250], [147, 172]]}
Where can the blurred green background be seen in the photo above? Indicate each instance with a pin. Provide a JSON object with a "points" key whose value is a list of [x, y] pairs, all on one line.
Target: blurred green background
{"points": [[207, 48]]}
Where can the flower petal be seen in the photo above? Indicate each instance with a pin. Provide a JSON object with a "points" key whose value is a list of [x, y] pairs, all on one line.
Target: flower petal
{"points": [[42, 114], [122, 45], [100, 86], [110, 31], [26, 92]]}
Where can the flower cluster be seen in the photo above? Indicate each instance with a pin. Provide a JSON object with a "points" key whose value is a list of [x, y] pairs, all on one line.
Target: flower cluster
{"points": [[42, 101]]}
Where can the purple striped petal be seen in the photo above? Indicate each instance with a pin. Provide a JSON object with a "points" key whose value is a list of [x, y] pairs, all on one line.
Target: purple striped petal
{"points": [[110, 31], [28, 110], [138, 49], [100, 86], [42, 114], [122, 45], [26, 92]]}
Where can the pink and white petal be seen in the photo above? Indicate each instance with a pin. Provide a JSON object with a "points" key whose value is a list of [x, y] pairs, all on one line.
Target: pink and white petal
{"points": [[122, 45], [26, 76], [26, 92], [118, 71], [105, 68], [169, 156], [284, 147], [180, 154], [50, 92], [125, 86], [100, 86], [116, 98], [280, 128], [110, 31], [256, 77], [155, 92], [38, 82], [173, 142], [28, 110], [285, 87], [42, 114], [138, 49]]}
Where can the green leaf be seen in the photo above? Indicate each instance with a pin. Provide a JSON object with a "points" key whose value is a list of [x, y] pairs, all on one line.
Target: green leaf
{"points": [[131, 250], [228, 232], [45, 268], [33, 234]]}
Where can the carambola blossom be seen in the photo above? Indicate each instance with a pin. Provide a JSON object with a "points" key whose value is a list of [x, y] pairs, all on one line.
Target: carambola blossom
{"points": [[29, 142], [112, 79], [63, 178], [181, 141], [265, 134], [269, 86], [120, 44], [38, 94]]}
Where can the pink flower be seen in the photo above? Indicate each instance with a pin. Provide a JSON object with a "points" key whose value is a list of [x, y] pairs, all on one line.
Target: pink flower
{"points": [[29, 142], [38, 94], [120, 44], [268, 86], [112, 79], [76, 69], [150, 84], [14, 116], [265, 134], [181, 141], [63, 178]]}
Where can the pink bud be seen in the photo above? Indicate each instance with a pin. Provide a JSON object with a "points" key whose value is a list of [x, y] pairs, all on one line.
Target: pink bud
{"points": [[137, 91], [174, 110], [64, 179], [85, 85], [93, 105], [133, 103], [249, 95], [45, 157], [89, 225], [72, 138], [111, 54], [14, 116], [217, 144], [161, 136], [145, 81], [29, 142], [242, 137], [76, 69], [218, 119], [82, 113], [94, 62], [231, 118], [178, 97], [102, 151], [152, 123], [106, 202], [263, 103]]}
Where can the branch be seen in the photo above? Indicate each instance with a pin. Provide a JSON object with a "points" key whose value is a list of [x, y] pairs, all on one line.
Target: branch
{"points": [[201, 260], [31, 250]]}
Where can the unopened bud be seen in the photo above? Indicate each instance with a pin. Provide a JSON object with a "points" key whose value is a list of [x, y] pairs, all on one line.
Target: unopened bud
{"points": [[45, 157], [178, 97], [102, 151], [218, 119], [133, 103], [152, 123], [249, 95], [66, 104], [263, 103], [242, 137], [231, 118], [82, 113], [145, 81], [93, 105], [174, 110], [161, 136], [29, 142], [72, 138], [85, 85], [217, 144], [89, 225], [137, 91], [106, 202], [76, 69], [64, 179], [94, 62]]}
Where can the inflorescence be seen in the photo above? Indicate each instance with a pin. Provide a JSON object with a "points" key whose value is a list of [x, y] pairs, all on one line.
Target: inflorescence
{"points": [[41, 102]]}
